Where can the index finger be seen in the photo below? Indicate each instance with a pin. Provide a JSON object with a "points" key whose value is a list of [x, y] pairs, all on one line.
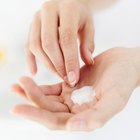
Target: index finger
{"points": [[69, 45]]}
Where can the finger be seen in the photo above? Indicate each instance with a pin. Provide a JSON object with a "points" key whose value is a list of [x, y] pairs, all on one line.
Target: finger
{"points": [[55, 121], [96, 117], [35, 43], [31, 61], [47, 92], [16, 88], [35, 94], [49, 37], [52, 89], [68, 41], [87, 43]]}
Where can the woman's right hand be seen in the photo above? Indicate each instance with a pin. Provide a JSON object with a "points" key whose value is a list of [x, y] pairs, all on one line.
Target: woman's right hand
{"points": [[53, 37]]}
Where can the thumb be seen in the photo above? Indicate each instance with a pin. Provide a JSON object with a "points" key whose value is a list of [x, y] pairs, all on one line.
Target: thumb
{"points": [[84, 121], [98, 115]]}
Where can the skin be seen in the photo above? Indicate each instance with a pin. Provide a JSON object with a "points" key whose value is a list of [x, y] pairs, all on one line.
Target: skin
{"points": [[109, 77], [54, 33]]}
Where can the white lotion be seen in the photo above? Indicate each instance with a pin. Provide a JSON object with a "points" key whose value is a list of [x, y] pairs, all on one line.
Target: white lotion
{"points": [[83, 95]]}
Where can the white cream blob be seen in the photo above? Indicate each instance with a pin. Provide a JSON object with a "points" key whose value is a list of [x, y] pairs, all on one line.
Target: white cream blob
{"points": [[83, 95]]}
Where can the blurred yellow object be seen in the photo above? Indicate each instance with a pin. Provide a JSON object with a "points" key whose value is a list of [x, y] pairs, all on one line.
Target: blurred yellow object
{"points": [[2, 55]]}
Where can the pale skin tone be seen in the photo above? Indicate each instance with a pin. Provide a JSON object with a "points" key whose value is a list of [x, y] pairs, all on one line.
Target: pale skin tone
{"points": [[115, 74], [54, 32]]}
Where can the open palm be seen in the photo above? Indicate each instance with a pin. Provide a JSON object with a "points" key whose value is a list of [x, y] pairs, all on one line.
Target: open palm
{"points": [[54, 107]]}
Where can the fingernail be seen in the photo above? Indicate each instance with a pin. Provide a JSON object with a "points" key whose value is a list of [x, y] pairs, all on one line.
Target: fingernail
{"points": [[72, 78], [76, 125]]}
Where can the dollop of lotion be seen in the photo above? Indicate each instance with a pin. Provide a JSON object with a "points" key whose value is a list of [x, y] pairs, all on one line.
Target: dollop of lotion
{"points": [[83, 95]]}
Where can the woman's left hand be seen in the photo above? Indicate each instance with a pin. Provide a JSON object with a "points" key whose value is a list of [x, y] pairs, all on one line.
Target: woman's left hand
{"points": [[114, 77]]}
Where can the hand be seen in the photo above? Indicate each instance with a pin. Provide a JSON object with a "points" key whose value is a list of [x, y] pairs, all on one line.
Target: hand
{"points": [[109, 77], [54, 33]]}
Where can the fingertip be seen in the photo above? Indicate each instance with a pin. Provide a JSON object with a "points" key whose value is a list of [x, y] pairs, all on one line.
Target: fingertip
{"points": [[13, 88], [73, 77], [20, 109], [33, 73], [33, 70], [15, 110]]}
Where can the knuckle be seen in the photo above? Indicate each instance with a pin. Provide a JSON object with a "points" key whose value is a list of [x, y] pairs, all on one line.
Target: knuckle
{"points": [[33, 47], [67, 37], [47, 43], [60, 68], [34, 42], [70, 63]]}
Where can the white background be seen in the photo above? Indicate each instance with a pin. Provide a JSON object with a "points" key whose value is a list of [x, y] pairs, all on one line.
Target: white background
{"points": [[117, 26]]}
